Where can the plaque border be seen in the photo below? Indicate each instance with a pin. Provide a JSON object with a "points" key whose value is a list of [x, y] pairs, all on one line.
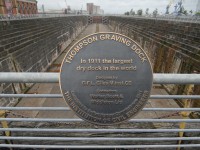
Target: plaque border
{"points": [[106, 124]]}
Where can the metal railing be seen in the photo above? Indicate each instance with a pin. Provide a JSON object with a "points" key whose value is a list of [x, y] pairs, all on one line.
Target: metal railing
{"points": [[54, 78], [34, 16], [192, 19]]}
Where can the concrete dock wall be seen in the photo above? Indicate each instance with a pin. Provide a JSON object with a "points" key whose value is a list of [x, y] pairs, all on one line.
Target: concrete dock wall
{"points": [[32, 45], [172, 46]]}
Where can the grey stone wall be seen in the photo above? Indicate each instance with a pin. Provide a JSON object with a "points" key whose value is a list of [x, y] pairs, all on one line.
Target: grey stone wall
{"points": [[32, 45], [170, 39], [172, 46]]}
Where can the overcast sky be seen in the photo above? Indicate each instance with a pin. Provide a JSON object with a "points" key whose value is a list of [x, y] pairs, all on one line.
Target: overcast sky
{"points": [[118, 6]]}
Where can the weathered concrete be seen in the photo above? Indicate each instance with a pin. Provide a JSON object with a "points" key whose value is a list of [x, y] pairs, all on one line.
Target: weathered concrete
{"points": [[181, 38], [173, 47], [32, 45], [55, 89], [149, 44]]}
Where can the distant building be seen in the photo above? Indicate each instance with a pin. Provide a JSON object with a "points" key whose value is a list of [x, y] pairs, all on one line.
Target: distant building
{"points": [[90, 7], [18, 7], [93, 9], [97, 9]]}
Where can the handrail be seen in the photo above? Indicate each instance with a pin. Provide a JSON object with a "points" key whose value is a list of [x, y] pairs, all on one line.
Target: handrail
{"points": [[164, 97], [34, 77], [194, 19]]}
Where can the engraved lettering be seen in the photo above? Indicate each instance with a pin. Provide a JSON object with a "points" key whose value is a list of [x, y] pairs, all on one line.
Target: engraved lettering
{"points": [[106, 78], [139, 52]]}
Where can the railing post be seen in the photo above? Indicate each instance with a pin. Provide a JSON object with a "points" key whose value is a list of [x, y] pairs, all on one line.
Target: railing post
{"points": [[185, 115], [5, 125]]}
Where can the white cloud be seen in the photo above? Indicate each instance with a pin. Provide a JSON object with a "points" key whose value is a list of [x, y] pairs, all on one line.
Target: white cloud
{"points": [[117, 6]]}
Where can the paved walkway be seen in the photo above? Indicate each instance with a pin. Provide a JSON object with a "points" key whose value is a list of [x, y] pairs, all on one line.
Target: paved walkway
{"points": [[55, 89]]}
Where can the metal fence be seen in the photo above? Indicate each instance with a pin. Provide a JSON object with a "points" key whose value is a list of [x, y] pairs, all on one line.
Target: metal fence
{"points": [[194, 19], [121, 140], [33, 16]]}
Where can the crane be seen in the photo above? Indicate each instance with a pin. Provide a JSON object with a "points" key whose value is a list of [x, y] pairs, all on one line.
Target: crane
{"points": [[168, 6], [179, 7], [66, 11]]}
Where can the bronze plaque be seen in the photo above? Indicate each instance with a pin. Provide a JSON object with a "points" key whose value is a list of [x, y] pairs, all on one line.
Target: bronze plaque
{"points": [[106, 78]]}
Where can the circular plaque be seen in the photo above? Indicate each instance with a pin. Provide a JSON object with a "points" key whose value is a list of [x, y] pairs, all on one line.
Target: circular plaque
{"points": [[106, 78]]}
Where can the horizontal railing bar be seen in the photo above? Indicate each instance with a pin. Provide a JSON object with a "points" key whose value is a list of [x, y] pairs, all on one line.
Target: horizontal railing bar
{"points": [[176, 78], [98, 146], [97, 130], [174, 96], [80, 120], [28, 77], [33, 77], [36, 108], [67, 109], [99, 138], [31, 95], [61, 96], [171, 109]]}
